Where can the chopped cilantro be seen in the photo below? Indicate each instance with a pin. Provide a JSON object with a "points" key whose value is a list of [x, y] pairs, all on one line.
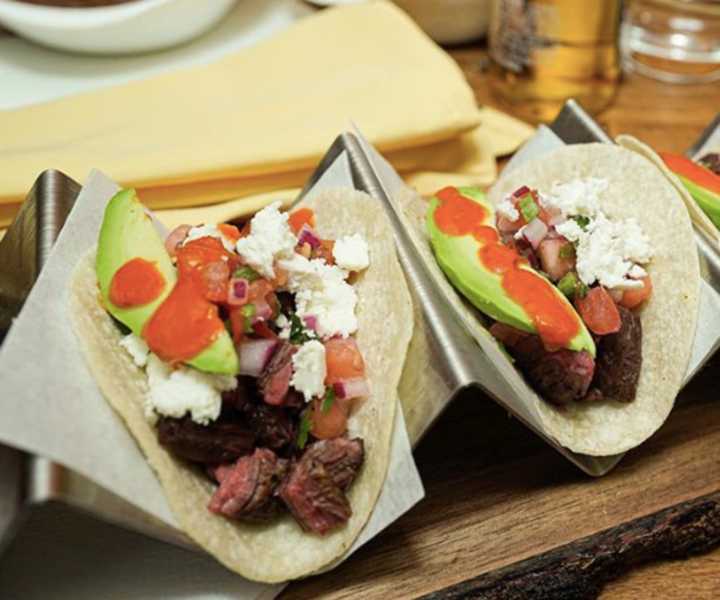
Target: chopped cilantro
{"points": [[247, 273], [248, 311], [568, 284], [304, 430], [328, 400], [567, 251], [581, 290], [582, 221], [528, 207], [299, 334]]}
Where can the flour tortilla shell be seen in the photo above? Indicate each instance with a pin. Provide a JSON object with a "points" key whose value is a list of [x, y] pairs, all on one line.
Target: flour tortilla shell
{"points": [[637, 188], [278, 551]]}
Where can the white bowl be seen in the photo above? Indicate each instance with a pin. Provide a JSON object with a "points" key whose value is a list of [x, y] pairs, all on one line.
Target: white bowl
{"points": [[137, 26]]}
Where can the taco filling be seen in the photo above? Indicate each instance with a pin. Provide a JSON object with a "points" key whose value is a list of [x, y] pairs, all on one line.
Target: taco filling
{"points": [[267, 423], [560, 281]]}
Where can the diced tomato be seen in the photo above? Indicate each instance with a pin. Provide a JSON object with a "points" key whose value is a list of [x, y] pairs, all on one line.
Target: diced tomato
{"points": [[506, 334], [696, 173], [229, 231], [325, 251], [298, 218], [633, 298], [262, 329], [343, 360], [599, 312], [330, 424], [551, 262]]}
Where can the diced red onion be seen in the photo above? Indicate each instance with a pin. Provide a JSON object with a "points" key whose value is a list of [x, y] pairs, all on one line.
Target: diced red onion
{"points": [[505, 225], [555, 214], [310, 322], [175, 238], [534, 232], [255, 355], [308, 236], [238, 291], [356, 387]]}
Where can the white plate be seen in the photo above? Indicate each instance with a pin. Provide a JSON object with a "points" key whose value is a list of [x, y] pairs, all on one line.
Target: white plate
{"points": [[137, 26]]}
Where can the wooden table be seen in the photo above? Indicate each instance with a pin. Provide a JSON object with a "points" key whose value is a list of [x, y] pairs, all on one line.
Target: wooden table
{"points": [[486, 476]]}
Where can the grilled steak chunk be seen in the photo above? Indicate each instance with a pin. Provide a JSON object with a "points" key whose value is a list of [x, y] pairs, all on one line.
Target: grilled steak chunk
{"points": [[274, 382], [239, 397], [342, 458], [314, 489], [218, 442], [619, 359], [272, 426], [561, 376], [246, 489]]}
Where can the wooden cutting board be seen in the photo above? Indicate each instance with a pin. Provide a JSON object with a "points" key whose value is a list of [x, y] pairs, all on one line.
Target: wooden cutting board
{"points": [[507, 517]]}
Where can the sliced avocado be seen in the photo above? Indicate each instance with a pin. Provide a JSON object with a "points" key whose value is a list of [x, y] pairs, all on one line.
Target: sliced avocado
{"points": [[458, 258], [127, 233], [708, 201]]}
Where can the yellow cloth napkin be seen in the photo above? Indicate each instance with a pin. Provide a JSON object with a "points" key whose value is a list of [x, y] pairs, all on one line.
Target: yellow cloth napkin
{"points": [[259, 120]]}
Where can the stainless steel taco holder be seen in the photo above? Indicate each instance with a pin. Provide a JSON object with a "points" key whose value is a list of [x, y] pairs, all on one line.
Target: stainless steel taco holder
{"points": [[29, 482]]}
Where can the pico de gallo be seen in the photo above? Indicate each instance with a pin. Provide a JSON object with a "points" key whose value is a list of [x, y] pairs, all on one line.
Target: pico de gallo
{"points": [[599, 265]]}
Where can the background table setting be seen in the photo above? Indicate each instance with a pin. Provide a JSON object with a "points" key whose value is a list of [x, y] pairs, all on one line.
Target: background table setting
{"points": [[210, 116]]}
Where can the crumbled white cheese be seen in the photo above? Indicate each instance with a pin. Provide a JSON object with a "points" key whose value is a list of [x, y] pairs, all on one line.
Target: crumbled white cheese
{"points": [[608, 251], [309, 370], [570, 230], [195, 233], [283, 323], [136, 348], [175, 392], [506, 209], [322, 292], [576, 197], [270, 239], [351, 253]]}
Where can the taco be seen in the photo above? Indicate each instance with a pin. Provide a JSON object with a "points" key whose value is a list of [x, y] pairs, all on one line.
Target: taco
{"points": [[583, 265], [257, 369], [698, 184]]}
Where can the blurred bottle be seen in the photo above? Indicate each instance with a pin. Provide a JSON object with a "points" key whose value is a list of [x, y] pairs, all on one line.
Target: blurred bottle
{"points": [[677, 41], [543, 52]]}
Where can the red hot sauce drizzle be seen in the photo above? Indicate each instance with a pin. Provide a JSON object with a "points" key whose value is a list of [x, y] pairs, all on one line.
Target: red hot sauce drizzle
{"points": [[136, 283], [187, 322], [555, 321]]}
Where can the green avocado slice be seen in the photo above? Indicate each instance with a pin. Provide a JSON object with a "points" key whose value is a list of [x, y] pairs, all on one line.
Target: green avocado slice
{"points": [[458, 258], [127, 233], [706, 199]]}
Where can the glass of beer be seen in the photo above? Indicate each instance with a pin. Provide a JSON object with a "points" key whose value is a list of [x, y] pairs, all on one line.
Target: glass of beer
{"points": [[543, 52], [677, 41]]}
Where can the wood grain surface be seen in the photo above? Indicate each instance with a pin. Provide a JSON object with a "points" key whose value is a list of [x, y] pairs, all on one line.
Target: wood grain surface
{"points": [[501, 505]]}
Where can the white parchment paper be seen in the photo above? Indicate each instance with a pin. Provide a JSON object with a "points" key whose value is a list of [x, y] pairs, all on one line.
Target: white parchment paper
{"points": [[51, 405]]}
